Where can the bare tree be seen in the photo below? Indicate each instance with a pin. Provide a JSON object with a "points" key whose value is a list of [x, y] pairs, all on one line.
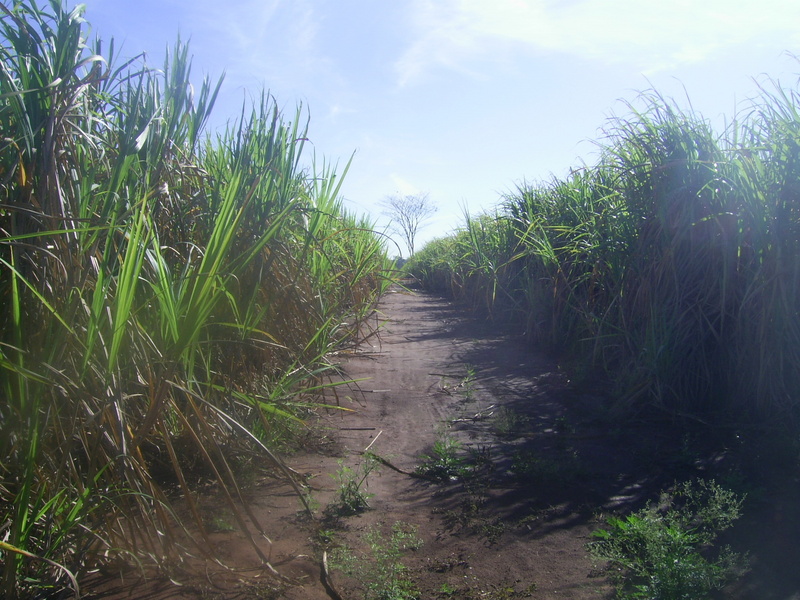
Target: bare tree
{"points": [[408, 214]]}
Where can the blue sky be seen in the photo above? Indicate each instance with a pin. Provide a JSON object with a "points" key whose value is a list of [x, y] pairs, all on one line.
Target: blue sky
{"points": [[465, 99]]}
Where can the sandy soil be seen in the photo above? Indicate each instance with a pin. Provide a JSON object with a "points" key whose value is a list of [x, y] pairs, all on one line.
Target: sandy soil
{"points": [[548, 458]]}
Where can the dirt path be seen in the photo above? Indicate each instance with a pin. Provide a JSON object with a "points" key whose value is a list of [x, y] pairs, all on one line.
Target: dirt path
{"points": [[436, 376], [542, 461]]}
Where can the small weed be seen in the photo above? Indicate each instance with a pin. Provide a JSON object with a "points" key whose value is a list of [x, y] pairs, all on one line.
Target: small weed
{"points": [[493, 530], [352, 481], [504, 591], [326, 538], [470, 514], [308, 503], [465, 387], [736, 480], [656, 551], [221, 524], [528, 520], [468, 383], [508, 423], [508, 592], [480, 460], [444, 463], [220, 519], [527, 467], [688, 454], [379, 572], [262, 590]]}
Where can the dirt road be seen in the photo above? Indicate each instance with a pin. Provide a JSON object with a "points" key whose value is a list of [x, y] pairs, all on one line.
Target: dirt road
{"points": [[434, 376]]}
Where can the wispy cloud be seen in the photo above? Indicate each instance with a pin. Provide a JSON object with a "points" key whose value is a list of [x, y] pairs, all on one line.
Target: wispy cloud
{"points": [[443, 37], [272, 39], [650, 36]]}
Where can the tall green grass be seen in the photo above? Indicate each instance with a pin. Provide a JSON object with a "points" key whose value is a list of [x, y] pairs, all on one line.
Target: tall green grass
{"points": [[168, 297], [671, 264]]}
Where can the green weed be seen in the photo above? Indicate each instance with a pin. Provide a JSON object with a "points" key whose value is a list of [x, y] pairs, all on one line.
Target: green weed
{"points": [[468, 382], [379, 571], [471, 514], [465, 387], [503, 591], [508, 592], [508, 422], [480, 461], [658, 552], [444, 463], [529, 467], [353, 497], [170, 298]]}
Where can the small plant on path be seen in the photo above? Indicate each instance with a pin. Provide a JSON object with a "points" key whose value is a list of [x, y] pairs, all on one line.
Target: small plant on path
{"points": [[443, 463], [353, 498], [468, 383], [465, 387], [532, 467], [379, 571], [658, 551], [508, 423]]}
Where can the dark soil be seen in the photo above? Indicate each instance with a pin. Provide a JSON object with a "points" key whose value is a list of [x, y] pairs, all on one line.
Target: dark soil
{"points": [[544, 461]]}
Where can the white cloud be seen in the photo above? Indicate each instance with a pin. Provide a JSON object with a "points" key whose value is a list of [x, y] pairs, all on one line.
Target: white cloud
{"points": [[650, 36]]}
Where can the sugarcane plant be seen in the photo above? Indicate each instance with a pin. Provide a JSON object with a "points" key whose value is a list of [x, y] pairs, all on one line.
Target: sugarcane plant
{"points": [[670, 266], [169, 296]]}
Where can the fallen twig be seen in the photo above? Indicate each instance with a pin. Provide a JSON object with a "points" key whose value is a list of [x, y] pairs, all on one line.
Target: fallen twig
{"points": [[386, 463], [372, 442], [477, 416], [327, 582]]}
